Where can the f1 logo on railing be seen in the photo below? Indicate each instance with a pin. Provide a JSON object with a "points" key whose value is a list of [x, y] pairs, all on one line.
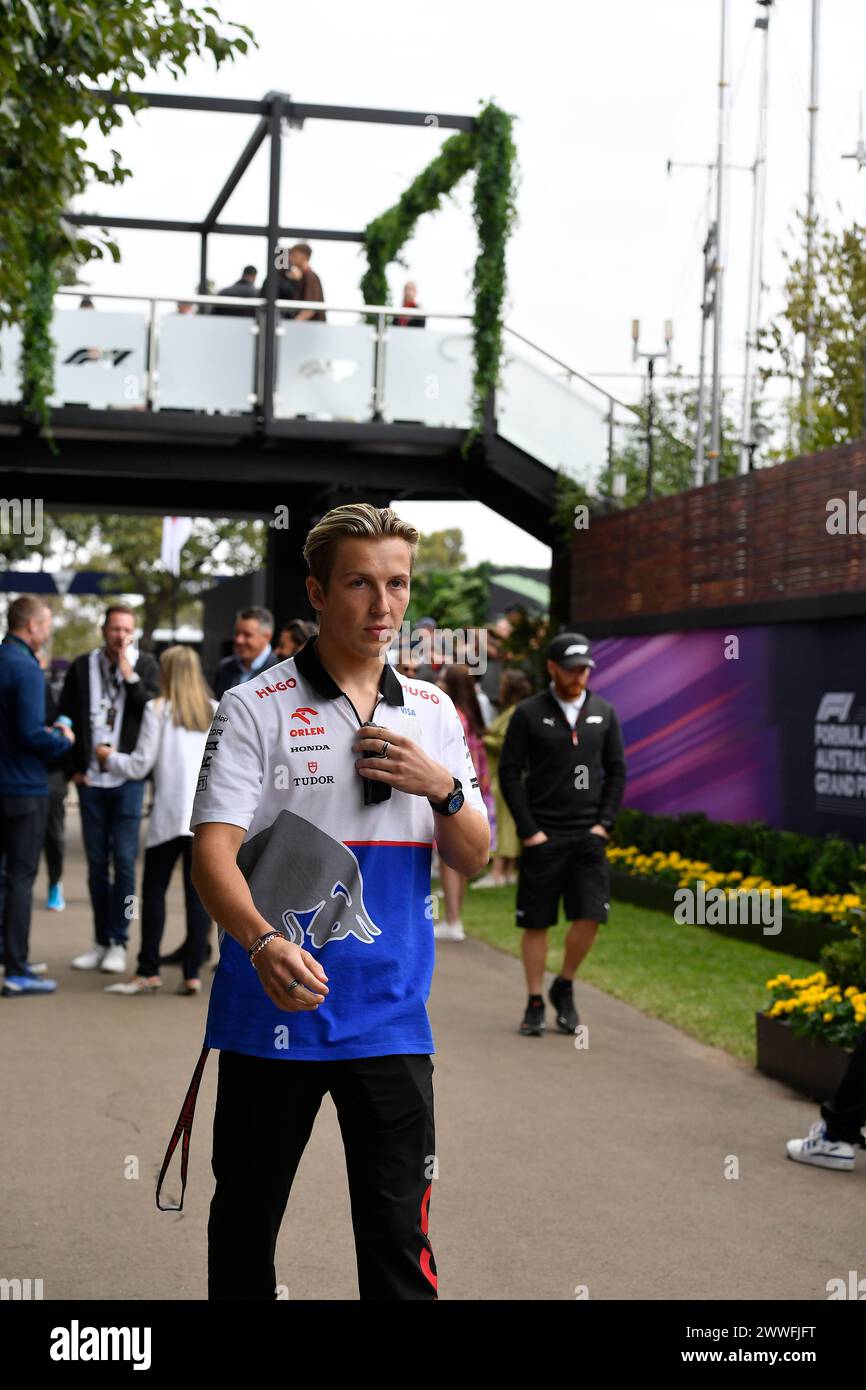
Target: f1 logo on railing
{"points": [[835, 705], [82, 355]]}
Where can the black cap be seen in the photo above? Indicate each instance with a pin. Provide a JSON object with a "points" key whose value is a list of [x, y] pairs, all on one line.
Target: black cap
{"points": [[570, 649]]}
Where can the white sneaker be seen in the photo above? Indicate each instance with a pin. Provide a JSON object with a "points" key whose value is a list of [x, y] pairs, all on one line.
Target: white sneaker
{"points": [[821, 1151], [488, 881], [449, 931], [114, 960], [91, 960]]}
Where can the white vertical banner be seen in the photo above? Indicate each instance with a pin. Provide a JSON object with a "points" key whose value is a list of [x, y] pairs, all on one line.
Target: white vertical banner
{"points": [[176, 531]]}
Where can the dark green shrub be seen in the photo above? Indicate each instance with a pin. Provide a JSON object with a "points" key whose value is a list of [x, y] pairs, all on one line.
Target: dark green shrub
{"points": [[826, 864]]}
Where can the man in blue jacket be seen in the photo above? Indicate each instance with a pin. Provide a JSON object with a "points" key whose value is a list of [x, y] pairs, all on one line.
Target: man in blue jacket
{"points": [[26, 746]]}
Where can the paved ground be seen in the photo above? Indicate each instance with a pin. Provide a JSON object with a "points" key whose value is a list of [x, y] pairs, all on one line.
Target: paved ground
{"points": [[558, 1168]]}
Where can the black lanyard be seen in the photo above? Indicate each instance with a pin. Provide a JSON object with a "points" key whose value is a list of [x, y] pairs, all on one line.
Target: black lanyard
{"points": [[111, 689]]}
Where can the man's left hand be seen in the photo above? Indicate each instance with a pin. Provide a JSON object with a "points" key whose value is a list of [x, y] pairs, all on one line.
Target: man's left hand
{"points": [[599, 830], [406, 766]]}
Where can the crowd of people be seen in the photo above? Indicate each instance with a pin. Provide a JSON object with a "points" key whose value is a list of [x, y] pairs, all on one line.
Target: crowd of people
{"points": [[115, 719], [296, 280]]}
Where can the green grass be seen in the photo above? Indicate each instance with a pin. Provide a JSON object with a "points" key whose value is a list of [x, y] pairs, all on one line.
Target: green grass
{"points": [[700, 981]]}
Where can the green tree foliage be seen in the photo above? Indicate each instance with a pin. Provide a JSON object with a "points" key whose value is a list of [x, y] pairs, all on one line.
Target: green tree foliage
{"points": [[674, 428], [440, 550], [130, 546], [454, 598], [53, 54], [838, 284]]}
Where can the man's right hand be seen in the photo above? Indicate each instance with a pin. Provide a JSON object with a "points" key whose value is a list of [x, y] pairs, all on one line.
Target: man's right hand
{"points": [[278, 964], [537, 839], [66, 731], [80, 778]]}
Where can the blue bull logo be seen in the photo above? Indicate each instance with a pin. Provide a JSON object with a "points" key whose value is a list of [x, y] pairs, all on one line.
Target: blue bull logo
{"points": [[294, 862]]}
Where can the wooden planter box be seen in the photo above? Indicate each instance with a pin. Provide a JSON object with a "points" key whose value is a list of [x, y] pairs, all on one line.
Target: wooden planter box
{"points": [[797, 938], [811, 1066]]}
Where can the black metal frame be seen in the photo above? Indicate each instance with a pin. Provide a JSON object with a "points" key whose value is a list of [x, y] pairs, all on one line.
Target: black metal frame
{"points": [[272, 110]]}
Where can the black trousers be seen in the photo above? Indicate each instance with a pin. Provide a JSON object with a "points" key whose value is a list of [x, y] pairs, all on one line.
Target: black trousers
{"points": [[845, 1114], [159, 862], [22, 832], [54, 829], [265, 1110]]}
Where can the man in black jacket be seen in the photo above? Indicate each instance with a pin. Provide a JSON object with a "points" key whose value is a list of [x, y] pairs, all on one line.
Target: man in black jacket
{"points": [[245, 288], [562, 772], [104, 695]]}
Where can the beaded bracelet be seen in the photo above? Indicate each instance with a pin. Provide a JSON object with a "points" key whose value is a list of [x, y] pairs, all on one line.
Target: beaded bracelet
{"points": [[260, 943]]}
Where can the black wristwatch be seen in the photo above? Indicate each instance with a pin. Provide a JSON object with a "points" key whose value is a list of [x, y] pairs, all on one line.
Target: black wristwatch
{"points": [[453, 801]]}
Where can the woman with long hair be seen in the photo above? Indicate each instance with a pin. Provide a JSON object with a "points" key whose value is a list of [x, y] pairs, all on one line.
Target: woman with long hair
{"points": [[171, 744], [457, 682], [514, 686]]}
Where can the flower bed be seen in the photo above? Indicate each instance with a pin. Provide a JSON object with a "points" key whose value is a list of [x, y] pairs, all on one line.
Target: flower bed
{"points": [[815, 1008], [673, 868], [809, 921]]}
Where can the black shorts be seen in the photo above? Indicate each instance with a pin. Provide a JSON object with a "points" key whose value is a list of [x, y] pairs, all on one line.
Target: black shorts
{"points": [[574, 869]]}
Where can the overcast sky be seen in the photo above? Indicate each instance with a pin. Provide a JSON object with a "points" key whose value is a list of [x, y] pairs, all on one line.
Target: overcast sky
{"points": [[603, 95]]}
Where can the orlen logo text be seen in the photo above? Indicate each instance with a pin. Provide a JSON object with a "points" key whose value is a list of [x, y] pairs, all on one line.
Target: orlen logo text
{"points": [[304, 714], [280, 685], [835, 705], [424, 694]]}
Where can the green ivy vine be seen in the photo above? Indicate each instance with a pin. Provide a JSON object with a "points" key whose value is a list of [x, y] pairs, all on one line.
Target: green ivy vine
{"points": [[490, 150], [37, 345]]}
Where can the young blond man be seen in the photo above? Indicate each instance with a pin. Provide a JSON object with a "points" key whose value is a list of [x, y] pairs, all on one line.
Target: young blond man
{"points": [[326, 780]]}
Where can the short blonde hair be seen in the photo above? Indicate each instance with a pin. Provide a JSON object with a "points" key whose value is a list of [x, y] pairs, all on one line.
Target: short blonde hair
{"points": [[355, 519]]}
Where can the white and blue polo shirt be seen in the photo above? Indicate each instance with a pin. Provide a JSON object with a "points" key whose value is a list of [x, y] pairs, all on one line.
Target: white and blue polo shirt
{"points": [[347, 882]]}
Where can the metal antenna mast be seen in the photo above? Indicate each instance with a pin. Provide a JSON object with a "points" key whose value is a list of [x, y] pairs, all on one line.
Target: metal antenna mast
{"points": [[809, 345], [756, 258], [716, 410]]}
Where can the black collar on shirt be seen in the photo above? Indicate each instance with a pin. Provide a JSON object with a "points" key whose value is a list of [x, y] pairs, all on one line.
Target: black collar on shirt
{"points": [[310, 666]]}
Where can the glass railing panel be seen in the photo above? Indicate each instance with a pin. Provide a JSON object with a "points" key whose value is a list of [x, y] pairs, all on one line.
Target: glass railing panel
{"points": [[552, 420], [10, 352], [101, 358], [324, 371], [428, 376], [206, 363]]}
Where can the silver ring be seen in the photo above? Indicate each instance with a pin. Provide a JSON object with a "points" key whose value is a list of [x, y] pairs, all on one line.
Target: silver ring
{"points": [[385, 746], [293, 985]]}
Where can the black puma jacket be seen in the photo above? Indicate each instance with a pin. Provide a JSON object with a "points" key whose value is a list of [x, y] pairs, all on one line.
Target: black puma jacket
{"points": [[559, 780]]}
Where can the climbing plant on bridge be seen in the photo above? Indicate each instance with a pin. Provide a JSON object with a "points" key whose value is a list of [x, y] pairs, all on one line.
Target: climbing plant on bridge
{"points": [[54, 54], [489, 150]]}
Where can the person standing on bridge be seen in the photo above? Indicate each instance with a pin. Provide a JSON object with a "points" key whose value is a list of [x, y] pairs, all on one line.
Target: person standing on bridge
{"points": [[562, 772], [245, 288], [309, 286], [313, 823]]}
